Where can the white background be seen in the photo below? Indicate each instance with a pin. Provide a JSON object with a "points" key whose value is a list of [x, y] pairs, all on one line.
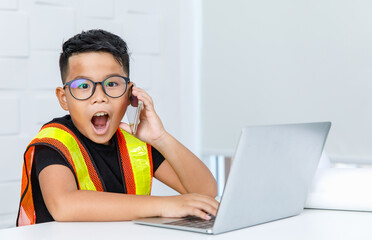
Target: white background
{"points": [[269, 62]]}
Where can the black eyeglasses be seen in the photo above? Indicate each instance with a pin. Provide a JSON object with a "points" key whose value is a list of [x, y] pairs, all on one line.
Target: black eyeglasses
{"points": [[82, 89]]}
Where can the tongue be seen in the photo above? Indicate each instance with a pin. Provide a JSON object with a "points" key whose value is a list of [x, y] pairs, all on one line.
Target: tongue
{"points": [[99, 122]]}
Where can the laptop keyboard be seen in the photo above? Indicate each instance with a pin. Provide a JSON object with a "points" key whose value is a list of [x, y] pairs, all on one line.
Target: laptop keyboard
{"points": [[195, 222]]}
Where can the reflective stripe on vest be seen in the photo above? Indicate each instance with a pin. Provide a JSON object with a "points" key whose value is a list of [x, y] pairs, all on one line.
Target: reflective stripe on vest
{"points": [[81, 170], [141, 164], [135, 157]]}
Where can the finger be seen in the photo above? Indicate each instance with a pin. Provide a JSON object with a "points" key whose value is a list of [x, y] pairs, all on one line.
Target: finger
{"points": [[125, 127], [201, 214], [147, 101], [205, 207], [209, 200], [143, 96], [137, 90], [212, 202]]}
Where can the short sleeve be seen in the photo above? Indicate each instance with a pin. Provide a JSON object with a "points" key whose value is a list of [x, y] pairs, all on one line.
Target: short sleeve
{"points": [[46, 156], [157, 158]]}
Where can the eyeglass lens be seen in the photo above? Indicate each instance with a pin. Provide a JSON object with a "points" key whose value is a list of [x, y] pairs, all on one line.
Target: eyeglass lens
{"points": [[83, 88]]}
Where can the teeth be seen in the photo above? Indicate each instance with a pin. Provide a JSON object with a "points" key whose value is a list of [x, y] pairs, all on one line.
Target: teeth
{"points": [[100, 114]]}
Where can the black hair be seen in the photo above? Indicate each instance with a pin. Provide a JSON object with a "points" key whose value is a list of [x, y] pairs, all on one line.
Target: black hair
{"points": [[96, 40]]}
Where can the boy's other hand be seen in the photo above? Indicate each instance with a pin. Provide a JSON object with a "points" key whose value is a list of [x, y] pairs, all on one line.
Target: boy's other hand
{"points": [[189, 204], [150, 128]]}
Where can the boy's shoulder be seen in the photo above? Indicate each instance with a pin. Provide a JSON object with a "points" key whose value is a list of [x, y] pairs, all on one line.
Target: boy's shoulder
{"points": [[67, 123], [65, 120]]}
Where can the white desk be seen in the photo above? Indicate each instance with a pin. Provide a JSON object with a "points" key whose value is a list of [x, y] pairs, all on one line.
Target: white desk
{"points": [[311, 224]]}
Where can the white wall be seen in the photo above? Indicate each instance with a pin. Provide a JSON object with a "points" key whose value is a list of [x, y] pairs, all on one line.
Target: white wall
{"points": [[268, 62], [32, 32]]}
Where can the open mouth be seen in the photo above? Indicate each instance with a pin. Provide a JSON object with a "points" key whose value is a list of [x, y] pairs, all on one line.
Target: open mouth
{"points": [[100, 122]]}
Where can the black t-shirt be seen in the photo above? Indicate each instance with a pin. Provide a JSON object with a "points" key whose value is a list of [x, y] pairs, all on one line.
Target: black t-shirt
{"points": [[105, 157]]}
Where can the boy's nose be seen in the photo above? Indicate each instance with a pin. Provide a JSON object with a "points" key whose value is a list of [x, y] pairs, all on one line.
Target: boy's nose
{"points": [[99, 95]]}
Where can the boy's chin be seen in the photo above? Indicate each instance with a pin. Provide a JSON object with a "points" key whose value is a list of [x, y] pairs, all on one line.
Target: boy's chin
{"points": [[101, 140]]}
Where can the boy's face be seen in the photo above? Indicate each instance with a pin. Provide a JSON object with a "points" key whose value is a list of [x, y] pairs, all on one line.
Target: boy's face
{"points": [[95, 66]]}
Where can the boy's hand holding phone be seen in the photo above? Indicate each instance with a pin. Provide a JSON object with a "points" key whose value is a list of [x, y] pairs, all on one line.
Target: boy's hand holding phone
{"points": [[145, 124]]}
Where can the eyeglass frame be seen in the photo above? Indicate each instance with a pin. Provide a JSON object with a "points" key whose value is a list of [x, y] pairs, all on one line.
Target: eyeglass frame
{"points": [[127, 81]]}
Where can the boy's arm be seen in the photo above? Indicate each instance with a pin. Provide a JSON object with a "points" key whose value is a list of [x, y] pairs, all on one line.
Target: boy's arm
{"points": [[66, 203], [182, 170]]}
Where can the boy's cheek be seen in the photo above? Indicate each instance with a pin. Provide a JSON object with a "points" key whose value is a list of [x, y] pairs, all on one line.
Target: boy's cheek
{"points": [[123, 106], [123, 110]]}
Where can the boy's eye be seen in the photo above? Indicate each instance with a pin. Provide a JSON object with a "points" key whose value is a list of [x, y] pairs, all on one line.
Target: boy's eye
{"points": [[111, 84], [80, 84], [83, 86]]}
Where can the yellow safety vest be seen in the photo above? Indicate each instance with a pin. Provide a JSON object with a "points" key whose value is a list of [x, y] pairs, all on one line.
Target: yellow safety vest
{"points": [[135, 158]]}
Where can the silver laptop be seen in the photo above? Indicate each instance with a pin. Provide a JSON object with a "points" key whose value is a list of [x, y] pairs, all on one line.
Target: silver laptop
{"points": [[269, 178]]}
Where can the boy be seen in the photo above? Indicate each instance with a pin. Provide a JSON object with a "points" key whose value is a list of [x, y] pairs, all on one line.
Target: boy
{"points": [[83, 167]]}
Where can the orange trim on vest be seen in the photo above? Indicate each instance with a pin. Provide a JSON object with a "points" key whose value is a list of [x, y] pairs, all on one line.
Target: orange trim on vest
{"points": [[28, 213], [151, 163], [126, 164]]}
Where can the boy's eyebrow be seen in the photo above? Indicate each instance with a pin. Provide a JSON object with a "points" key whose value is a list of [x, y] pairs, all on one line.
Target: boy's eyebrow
{"points": [[114, 74], [80, 77], [106, 76]]}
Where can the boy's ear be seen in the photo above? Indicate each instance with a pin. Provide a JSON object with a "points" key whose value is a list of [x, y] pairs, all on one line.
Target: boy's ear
{"points": [[61, 95], [130, 96]]}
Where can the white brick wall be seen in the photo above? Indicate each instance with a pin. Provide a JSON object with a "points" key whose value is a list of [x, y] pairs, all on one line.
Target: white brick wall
{"points": [[32, 32], [16, 41], [8, 4]]}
